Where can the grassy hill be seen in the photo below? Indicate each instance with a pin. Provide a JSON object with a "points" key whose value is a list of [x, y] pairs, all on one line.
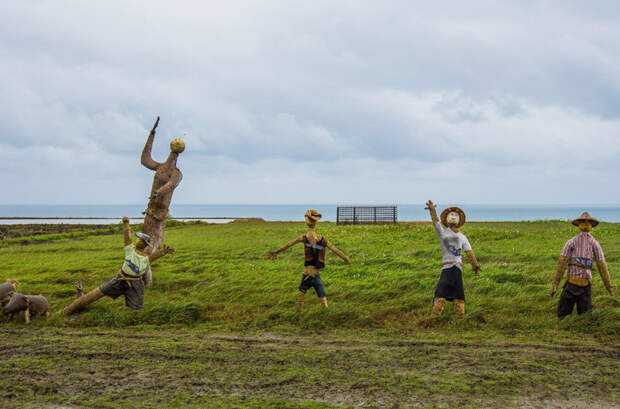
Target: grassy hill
{"points": [[219, 328]]}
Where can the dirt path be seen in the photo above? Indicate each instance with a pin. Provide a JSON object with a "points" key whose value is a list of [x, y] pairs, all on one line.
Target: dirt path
{"points": [[125, 368]]}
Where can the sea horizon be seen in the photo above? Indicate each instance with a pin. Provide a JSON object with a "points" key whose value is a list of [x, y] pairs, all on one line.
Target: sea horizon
{"points": [[111, 213]]}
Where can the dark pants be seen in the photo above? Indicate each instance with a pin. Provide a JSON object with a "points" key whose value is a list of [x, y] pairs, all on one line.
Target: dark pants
{"points": [[573, 294], [308, 282], [134, 292], [450, 285]]}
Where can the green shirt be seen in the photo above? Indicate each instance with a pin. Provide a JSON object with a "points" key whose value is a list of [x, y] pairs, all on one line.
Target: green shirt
{"points": [[135, 264]]}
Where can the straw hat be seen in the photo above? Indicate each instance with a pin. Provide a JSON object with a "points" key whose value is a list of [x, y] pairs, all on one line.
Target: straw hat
{"points": [[585, 217], [461, 213], [312, 216]]}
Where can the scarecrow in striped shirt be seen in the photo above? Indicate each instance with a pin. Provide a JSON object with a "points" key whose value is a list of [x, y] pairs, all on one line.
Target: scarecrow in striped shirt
{"points": [[577, 255], [314, 252]]}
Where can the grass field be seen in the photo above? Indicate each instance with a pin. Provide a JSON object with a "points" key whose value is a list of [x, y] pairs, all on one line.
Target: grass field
{"points": [[219, 328]]}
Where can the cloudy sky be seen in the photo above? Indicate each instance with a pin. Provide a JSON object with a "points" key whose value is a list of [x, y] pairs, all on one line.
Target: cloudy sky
{"points": [[312, 101]]}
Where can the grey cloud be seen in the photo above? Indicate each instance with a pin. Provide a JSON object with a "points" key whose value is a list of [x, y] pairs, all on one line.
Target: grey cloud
{"points": [[252, 85]]}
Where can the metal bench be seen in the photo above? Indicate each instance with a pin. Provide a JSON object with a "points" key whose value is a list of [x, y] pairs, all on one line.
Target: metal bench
{"points": [[366, 214]]}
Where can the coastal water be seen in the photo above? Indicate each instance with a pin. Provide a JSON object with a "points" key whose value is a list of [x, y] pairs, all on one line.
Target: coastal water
{"points": [[222, 213]]}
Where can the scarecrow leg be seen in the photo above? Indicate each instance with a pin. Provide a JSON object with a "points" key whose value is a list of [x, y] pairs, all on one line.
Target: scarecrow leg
{"points": [[300, 301], [90, 297], [459, 307], [438, 304]]}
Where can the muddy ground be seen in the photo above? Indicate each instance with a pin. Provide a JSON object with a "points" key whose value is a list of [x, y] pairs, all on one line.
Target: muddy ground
{"points": [[45, 367]]}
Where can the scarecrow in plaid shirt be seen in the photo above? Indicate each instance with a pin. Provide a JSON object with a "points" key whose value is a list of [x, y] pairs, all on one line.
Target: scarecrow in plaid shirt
{"points": [[577, 256]]}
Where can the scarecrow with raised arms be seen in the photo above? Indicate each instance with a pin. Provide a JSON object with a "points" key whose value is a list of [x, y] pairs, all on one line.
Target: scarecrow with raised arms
{"points": [[129, 280], [314, 252], [576, 257], [452, 242]]}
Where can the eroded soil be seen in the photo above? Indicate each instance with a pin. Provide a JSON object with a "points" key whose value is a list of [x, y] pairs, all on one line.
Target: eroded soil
{"points": [[44, 367]]}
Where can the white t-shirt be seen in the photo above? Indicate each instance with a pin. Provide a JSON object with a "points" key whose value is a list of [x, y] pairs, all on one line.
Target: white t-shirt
{"points": [[452, 245]]}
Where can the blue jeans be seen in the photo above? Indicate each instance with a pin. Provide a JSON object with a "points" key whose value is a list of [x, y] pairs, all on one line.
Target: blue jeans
{"points": [[307, 282]]}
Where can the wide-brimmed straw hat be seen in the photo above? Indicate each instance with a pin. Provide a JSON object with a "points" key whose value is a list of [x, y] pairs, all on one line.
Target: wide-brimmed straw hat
{"points": [[460, 211], [585, 217], [313, 216]]}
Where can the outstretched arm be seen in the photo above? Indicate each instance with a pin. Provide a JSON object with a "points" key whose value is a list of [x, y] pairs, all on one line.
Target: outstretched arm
{"points": [[126, 231], [432, 208], [604, 272], [559, 273], [473, 261], [338, 252], [162, 251], [273, 253], [146, 159]]}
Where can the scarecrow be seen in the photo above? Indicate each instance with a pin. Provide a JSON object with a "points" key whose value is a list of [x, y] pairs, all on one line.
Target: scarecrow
{"points": [[167, 177], [314, 251], [452, 242], [577, 256], [128, 281]]}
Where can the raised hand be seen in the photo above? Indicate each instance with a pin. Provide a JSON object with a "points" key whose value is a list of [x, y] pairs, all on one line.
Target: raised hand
{"points": [[125, 219], [430, 205], [155, 125]]}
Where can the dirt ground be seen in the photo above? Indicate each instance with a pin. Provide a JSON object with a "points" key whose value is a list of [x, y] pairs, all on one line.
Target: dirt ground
{"points": [[45, 367]]}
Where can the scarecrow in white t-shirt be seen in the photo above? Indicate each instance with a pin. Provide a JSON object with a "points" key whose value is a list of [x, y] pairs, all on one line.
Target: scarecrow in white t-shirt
{"points": [[452, 242]]}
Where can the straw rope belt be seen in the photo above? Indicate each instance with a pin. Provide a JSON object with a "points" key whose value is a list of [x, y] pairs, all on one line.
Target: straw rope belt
{"points": [[128, 279], [578, 281]]}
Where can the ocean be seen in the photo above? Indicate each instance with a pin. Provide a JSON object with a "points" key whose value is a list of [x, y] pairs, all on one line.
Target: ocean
{"points": [[102, 214]]}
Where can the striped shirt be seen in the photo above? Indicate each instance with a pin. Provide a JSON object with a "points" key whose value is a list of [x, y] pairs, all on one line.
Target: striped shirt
{"points": [[583, 248]]}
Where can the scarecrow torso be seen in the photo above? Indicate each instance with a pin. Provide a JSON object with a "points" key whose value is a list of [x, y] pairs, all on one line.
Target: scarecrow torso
{"points": [[452, 244], [314, 252], [135, 264], [582, 249]]}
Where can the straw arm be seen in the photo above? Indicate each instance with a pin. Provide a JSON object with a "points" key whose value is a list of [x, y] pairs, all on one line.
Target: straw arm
{"points": [[338, 252], [559, 273], [126, 231], [604, 272], [473, 261]]}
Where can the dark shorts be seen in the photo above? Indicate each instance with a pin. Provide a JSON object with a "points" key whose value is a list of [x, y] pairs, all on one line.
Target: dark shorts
{"points": [[450, 285], [134, 293], [573, 294], [308, 282]]}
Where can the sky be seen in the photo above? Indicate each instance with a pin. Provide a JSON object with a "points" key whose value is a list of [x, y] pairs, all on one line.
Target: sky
{"points": [[358, 102]]}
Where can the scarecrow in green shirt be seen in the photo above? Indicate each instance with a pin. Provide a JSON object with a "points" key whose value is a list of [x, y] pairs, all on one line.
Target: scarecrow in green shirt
{"points": [[128, 281]]}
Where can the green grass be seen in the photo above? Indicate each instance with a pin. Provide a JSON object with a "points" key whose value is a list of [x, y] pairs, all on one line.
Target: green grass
{"points": [[220, 277], [375, 343]]}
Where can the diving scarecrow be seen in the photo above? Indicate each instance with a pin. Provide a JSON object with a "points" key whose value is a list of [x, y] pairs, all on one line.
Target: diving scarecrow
{"points": [[452, 242], [314, 252], [129, 280], [577, 255], [167, 177]]}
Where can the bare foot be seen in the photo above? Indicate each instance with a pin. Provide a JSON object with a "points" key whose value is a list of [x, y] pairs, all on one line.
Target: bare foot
{"points": [[79, 287]]}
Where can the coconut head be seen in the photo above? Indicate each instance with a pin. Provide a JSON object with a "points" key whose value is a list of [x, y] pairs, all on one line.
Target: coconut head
{"points": [[177, 145]]}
